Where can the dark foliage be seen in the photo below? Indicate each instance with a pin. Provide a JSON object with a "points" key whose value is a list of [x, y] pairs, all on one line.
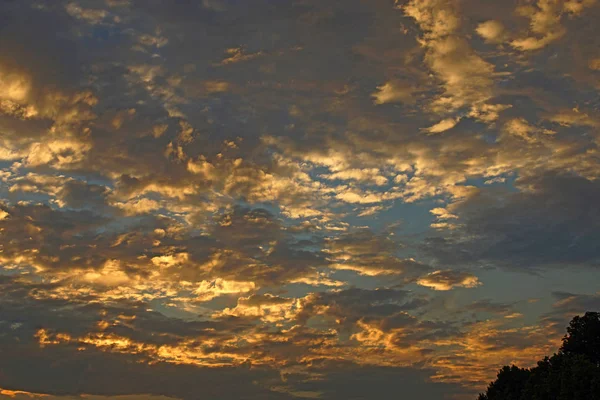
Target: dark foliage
{"points": [[572, 374], [510, 384], [583, 337]]}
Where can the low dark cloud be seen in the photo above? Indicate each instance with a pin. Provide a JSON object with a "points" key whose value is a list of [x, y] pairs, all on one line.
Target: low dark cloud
{"points": [[552, 219]]}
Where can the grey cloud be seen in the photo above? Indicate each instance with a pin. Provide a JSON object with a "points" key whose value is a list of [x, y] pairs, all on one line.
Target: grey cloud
{"points": [[351, 305], [569, 304], [66, 371], [552, 220], [352, 382], [488, 306]]}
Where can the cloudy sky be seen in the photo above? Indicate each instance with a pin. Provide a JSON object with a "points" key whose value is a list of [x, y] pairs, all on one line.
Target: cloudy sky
{"points": [[293, 199]]}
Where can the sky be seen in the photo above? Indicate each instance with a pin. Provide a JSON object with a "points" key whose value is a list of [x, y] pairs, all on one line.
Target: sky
{"points": [[293, 199]]}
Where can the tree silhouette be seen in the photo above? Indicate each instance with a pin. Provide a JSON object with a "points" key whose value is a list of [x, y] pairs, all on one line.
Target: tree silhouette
{"points": [[572, 374], [510, 384], [583, 337]]}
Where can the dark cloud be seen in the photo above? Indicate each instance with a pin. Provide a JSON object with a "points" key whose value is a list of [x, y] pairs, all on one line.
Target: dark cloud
{"points": [[551, 220], [488, 306], [578, 301], [352, 382], [69, 372]]}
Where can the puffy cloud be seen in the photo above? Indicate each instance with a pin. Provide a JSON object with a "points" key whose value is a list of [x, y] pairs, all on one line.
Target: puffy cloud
{"points": [[140, 206], [448, 279], [574, 117], [369, 254], [267, 307], [523, 130], [92, 16], [492, 31], [235, 55], [443, 125], [209, 290], [545, 21], [367, 175], [437, 17], [467, 78], [394, 91]]}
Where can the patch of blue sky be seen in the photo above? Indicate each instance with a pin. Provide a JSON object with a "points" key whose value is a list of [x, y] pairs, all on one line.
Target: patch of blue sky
{"points": [[412, 218]]}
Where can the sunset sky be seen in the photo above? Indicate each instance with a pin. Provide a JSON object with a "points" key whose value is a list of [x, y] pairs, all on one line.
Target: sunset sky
{"points": [[293, 199]]}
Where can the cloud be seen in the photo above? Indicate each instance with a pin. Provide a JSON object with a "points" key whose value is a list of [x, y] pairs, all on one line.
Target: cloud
{"points": [[545, 21], [394, 91], [366, 175], [209, 290], [92, 16], [466, 77], [492, 31], [22, 395], [548, 222], [266, 307], [448, 279], [521, 129], [369, 254], [569, 304], [383, 382], [487, 344], [488, 306], [443, 125]]}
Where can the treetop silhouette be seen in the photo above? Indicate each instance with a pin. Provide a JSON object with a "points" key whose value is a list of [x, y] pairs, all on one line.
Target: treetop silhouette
{"points": [[571, 374]]}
